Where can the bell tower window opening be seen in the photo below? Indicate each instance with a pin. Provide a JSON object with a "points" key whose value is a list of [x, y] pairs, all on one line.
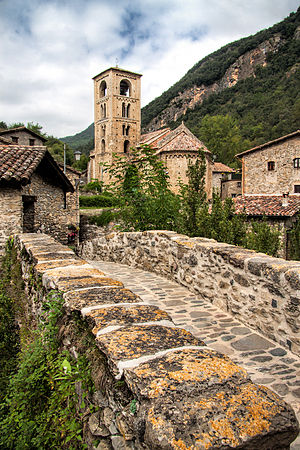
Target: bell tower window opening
{"points": [[123, 130], [127, 130], [126, 146], [123, 110], [103, 130], [125, 88], [103, 110], [103, 146], [127, 110], [103, 89]]}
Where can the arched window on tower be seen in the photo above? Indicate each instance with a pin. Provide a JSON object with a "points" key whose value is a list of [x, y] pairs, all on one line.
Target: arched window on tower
{"points": [[126, 146], [127, 130], [104, 110], [123, 110], [103, 89], [127, 110], [123, 129], [103, 130], [125, 88], [103, 146]]}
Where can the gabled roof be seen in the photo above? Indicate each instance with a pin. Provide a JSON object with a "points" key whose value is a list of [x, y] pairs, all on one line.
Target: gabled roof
{"points": [[181, 139], [154, 136], [36, 135], [220, 167], [269, 144], [267, 205], [19, 162]]}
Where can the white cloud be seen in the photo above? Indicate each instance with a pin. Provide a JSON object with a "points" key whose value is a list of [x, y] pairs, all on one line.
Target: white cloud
{"points": [[50, 49]]}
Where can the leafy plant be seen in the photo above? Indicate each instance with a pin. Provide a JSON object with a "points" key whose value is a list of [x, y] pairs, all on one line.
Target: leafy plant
{"points": [[263, 238], [141, 185]]}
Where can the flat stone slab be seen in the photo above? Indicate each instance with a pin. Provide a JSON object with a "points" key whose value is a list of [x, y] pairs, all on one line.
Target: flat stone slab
{"points": [[69, 284], [135, 341], [186, 371], [252, 342], [97, 296], [121, 315], [76, 271], [44, 266], [221, 419]]}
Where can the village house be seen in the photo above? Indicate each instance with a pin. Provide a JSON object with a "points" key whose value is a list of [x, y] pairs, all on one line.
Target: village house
{"points": [[21, 136], [271, 184], [118, 127], [226, 181], [35, 194]]}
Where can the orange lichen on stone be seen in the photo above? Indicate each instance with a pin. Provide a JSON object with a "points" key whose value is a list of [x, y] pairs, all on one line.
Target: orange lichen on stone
{"points": [[185, 243]]}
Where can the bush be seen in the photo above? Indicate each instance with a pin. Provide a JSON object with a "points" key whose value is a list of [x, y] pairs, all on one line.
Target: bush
{"points": [[262, 238], [93, 186], [97, 201], [104, 218]]}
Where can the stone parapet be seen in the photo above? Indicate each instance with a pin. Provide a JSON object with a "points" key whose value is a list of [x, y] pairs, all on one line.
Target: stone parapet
{"points": [[261, 291], [175, 392]]}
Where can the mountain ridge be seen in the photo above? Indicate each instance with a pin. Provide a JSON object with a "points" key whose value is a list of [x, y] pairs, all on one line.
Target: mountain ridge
{"points": [[221, 82]]}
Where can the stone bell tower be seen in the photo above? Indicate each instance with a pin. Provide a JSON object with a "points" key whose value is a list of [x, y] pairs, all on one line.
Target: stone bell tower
{"points": [[117, 95]]}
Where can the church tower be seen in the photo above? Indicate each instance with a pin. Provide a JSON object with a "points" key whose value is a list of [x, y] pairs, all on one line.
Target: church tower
{"points": [[117, 103]]}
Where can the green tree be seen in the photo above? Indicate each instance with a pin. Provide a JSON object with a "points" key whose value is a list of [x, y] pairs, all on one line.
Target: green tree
{"points": [[141, 184], [222, 136], [263, 238], [193, 195]]}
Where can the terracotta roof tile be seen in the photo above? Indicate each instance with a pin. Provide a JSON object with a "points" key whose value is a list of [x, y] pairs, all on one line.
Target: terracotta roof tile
{"points": [[220, 167], [18, 163], [268, 205]]}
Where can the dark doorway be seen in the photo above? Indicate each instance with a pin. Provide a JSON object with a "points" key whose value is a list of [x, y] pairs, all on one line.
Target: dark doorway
{"points": [[28, 213]]}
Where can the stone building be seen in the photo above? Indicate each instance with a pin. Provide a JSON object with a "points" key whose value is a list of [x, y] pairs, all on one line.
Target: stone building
{"points": [[282, 213], [226, 181], [118, 127], [273, 167], [21, 136], [35, 194], [117, 110], [176, 148]]}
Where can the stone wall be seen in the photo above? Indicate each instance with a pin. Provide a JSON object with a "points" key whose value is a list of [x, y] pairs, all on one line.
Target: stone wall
{"points": [[261, 291], [157, 386], [10, 214], [258, 179], [52, 212], [24, 138]]}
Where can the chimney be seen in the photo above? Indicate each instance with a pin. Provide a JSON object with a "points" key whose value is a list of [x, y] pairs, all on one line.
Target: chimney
{"points": [[285, 199]]}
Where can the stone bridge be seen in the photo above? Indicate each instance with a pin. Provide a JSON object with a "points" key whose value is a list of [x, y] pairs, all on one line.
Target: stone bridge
{"points": [[181, 392]]}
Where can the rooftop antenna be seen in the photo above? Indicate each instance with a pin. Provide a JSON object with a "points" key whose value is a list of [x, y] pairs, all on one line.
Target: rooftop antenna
{"points": [[117, 62]]}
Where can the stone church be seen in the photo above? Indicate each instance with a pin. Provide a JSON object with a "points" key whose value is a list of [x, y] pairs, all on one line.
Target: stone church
{"points": [[117, 105]]}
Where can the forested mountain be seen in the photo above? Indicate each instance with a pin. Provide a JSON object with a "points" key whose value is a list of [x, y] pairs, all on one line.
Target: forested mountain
{"points": [[244, 94]]}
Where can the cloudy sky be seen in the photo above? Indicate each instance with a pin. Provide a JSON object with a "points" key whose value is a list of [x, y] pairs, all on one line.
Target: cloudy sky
{"points": [[50, 49]]}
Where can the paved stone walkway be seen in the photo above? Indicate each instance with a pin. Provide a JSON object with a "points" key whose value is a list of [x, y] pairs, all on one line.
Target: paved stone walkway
{"points": [[267, 362]]}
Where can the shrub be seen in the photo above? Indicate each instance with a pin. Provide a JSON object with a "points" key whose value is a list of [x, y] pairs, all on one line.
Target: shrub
{"points": [[97, 201], [104, 218]]}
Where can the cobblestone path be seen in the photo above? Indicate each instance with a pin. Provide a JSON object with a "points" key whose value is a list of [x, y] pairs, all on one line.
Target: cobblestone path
{"points": [[267, 362]]}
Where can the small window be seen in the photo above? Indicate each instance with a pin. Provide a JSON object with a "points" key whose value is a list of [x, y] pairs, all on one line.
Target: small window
{"points": [[297, 189], [239, 184], [127, 110], [31, 142], [296, 163], [126, 146], [233, 195], [123, 129], [127, 130], [15, 139], [103, 111], [103, 146], [125, 88], [271, 166]]}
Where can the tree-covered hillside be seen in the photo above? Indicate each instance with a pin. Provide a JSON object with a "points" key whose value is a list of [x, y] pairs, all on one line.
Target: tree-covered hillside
{"points": [[274, 91]]}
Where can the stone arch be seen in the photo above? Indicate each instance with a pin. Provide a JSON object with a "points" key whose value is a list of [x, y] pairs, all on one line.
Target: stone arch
{"points": [[103, 89], [125, 88]]}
